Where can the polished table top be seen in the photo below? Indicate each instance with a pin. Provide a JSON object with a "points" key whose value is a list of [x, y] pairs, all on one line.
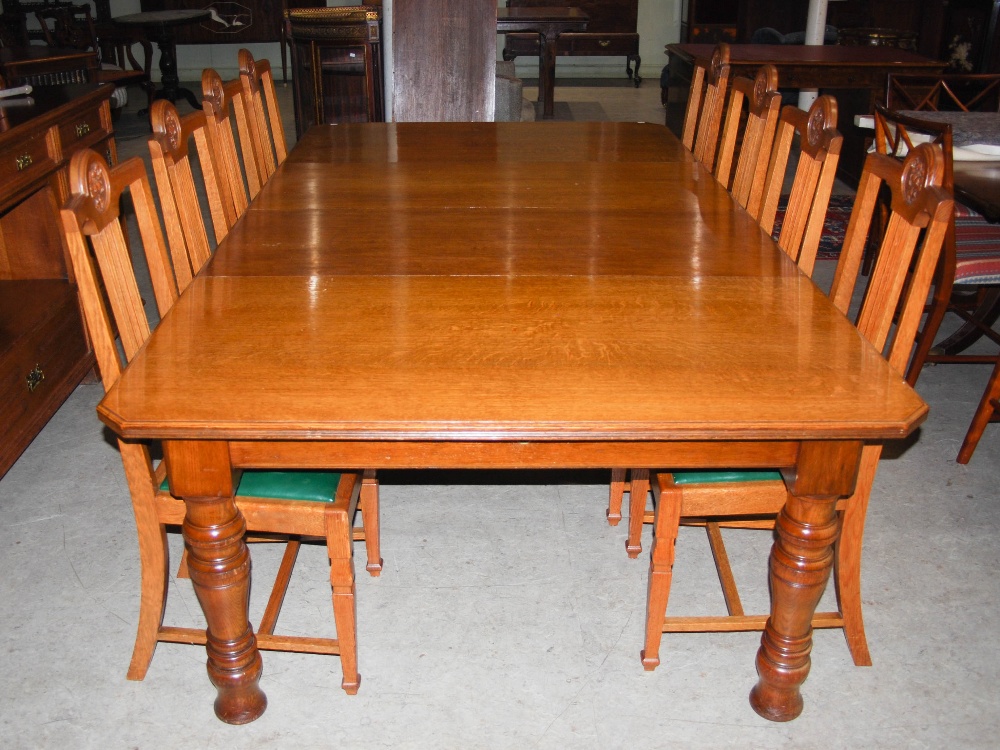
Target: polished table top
{"points": [[422, 310]]}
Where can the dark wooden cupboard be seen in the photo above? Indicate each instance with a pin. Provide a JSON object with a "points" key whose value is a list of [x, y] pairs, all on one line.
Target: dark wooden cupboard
{"points": [[336, 65]]}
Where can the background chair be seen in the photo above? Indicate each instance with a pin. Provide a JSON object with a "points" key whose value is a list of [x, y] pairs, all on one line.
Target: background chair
{"points": [[704, 108], [267, 133], [972, 253], [73, 27], [815, 170], [763, 105], [170, 152], [799, 238], [318, 504], [510, 104], [895, 295], [228, 121]]}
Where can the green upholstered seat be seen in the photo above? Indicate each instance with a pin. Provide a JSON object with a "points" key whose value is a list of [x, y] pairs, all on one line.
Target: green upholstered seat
{"points": [[725, 475], [318, 486]]}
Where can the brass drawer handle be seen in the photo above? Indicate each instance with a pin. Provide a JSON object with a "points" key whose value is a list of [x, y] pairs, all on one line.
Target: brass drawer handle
{"points": [[23, 162], [604, 42], [34, 378], [82, 129]]}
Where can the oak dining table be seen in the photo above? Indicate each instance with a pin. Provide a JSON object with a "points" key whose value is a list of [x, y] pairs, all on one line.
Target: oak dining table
{"points": [[505, 296]]}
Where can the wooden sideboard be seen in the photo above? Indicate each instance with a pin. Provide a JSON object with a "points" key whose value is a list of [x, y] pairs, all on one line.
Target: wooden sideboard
{"points": [[611, 30], [43, 350]]}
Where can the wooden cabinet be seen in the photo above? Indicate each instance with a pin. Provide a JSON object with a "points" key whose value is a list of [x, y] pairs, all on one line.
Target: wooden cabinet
{"points": [[611, 30], [336, 65], [43, 350], [710, 21]]}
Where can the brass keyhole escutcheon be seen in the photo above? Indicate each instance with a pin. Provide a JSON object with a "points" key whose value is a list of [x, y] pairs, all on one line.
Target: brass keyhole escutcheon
{"points": [[34, 378]]}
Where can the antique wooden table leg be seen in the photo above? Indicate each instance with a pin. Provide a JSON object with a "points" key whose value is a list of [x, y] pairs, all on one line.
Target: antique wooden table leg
{"points": [[201, 473], [800, 565], [547, 77]]}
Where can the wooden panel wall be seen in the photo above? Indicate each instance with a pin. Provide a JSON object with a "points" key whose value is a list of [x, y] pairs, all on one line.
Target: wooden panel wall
{"points": [[444, 55]]}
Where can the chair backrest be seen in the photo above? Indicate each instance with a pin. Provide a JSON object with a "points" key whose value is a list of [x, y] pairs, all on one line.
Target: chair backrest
{"points": [[267, 133], [92, 211], [169, 148], [763, 104], [972, 92], [820, 145], [897, 134], [898, 285], [225, 108], [68, 26], [706, 100]]}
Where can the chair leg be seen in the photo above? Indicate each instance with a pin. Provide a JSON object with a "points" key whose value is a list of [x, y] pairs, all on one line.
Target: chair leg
{"points": [[614, 514], [661, 567], [847, 559], [370, 518], [984, 412], [339, 545], [153, 563], [944, 283], [638, 491]]}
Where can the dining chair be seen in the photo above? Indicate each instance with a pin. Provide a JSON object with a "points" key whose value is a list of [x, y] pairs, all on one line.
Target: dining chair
{"points": [[170, 153], [73, 26], [267, 133], [295, 503], [752, 132], [228, 120], [799, 238], [888, 319], [815, 169], [706, 100], [917, 108]]}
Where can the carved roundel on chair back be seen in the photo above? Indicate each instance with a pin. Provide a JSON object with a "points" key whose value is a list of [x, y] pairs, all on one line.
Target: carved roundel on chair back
{"points": [[166, 124], [248, 67], [98, 184], [923, 167], [822, 115], [213, 89], [765, 81], [720, 58]]}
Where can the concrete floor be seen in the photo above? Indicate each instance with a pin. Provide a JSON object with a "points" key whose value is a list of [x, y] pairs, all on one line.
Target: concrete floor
{"points": [[508, 615]]}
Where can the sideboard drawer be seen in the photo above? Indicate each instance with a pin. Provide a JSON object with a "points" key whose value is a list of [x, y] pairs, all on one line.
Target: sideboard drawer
{"points": [[82, 131], [25, 160], [598, 44], [45, 360]]}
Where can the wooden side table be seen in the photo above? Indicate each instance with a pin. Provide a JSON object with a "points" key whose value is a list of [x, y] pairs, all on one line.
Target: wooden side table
{"points": [[160, 26], [549, 24]]}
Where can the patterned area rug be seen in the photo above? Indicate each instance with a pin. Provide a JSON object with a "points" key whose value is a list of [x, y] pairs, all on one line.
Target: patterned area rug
{"points": [[834, 228]]}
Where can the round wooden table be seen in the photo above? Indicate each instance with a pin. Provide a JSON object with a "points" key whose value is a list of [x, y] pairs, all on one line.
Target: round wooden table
{"points": [[159, 26]]}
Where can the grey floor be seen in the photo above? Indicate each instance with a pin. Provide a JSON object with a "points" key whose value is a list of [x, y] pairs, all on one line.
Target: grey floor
{"points": [[508, 615]]}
